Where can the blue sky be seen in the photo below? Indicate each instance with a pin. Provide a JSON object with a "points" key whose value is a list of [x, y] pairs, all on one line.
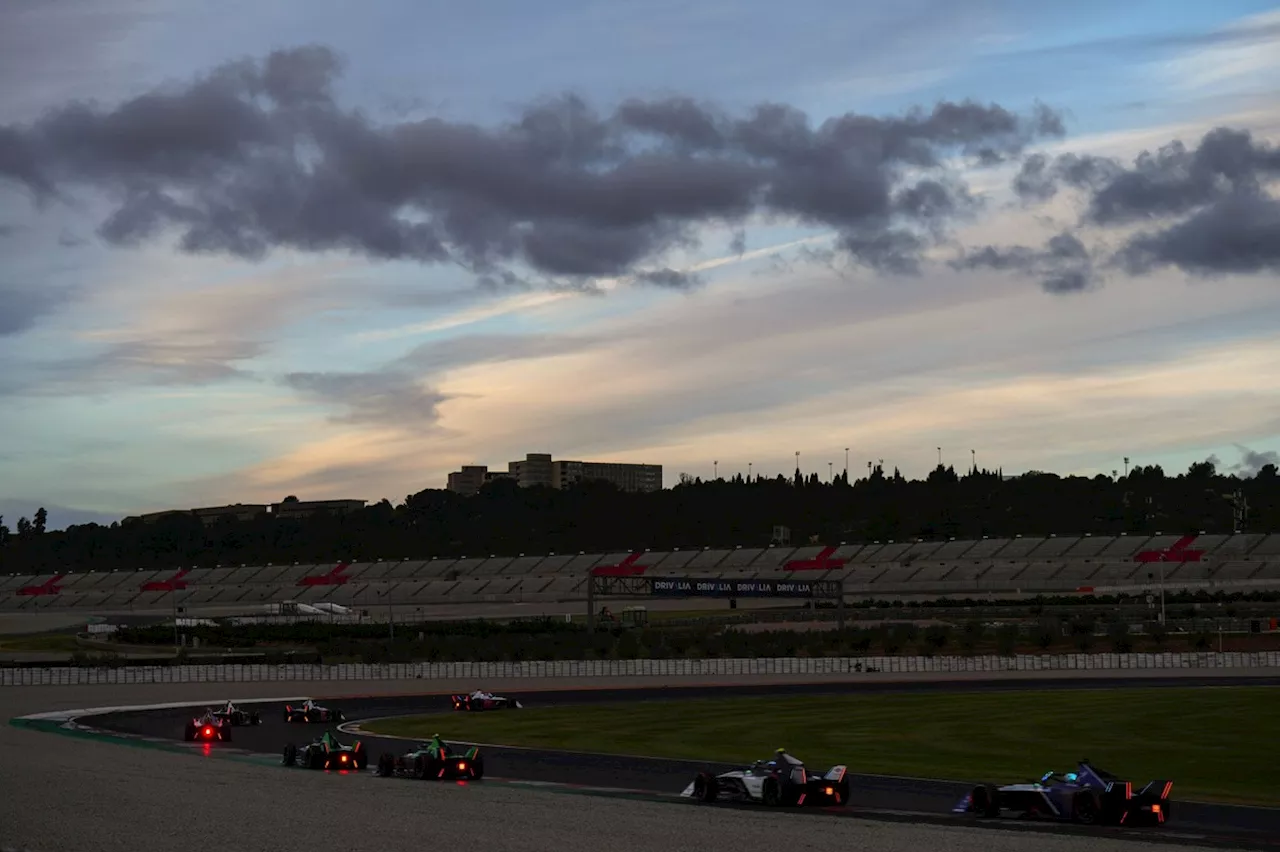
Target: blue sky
{"points": [[160, 379]]}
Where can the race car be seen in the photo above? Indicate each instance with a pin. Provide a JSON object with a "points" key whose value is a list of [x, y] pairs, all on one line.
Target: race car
{"points": [[309, 711], [481, 700], [434, 759], [207, 728], [233, 715], [1089, 795], [326, 752], [782, 781]]}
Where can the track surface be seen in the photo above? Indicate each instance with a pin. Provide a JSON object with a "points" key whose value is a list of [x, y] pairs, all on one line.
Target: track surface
{"points": [[1250, 825]]}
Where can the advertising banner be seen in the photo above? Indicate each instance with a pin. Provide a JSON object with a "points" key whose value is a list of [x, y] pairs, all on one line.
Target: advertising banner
{"points": [[701, 587]]}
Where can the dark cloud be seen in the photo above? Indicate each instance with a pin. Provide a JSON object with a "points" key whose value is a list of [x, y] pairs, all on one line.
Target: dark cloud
{"points": [[20, 307], [387, 397], [257, 155], [1175, 181], [738, 243], [669, 279], [1039, 178], [1239, 234], [1213, 198], [1252, 461], [1063, 265]]}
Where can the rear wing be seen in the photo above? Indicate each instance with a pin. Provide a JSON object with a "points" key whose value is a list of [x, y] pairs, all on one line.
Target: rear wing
{"points": [[835, 773]]}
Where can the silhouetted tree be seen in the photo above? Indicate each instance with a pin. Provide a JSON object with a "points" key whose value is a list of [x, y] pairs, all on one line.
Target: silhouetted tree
{"points": [[596, 517], [40, 522]]}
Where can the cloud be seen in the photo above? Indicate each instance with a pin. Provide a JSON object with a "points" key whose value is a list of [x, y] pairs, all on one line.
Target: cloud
{"points": [[1240, 234], [442, 355], [388, 397], [257, 155], [1252, 461], [1064, 265], [20, 307], [1221, 217]]}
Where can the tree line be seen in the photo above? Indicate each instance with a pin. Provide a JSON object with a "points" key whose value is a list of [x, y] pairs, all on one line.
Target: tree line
{"points": [[506, 520]]}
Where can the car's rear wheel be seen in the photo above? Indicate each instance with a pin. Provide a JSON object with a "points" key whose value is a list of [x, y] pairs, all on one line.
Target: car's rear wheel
{"points": [[316, 759], [771, 792], [420, 767], [1086, 808], [290, 755]]}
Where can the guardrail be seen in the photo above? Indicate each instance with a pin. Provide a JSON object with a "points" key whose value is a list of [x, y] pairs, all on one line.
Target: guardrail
{"points": [[479, 672]]}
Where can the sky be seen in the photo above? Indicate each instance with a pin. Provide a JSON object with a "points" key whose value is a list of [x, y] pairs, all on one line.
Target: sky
{"points": [[257, 249]]}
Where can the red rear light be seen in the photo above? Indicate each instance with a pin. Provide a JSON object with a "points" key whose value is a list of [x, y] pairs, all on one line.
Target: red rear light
{"points": [[343, 758], [208, 732], [462, 764]]}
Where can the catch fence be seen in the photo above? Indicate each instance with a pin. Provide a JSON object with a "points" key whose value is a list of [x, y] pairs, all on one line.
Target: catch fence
{"points": [[668, 669]]}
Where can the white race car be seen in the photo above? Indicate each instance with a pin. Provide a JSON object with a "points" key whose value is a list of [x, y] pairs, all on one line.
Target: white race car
{"points": [[481, 700], [780, 782]]}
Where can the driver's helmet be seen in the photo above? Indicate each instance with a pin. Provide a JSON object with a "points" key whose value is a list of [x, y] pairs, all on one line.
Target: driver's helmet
{"points": [[1071, 777]]}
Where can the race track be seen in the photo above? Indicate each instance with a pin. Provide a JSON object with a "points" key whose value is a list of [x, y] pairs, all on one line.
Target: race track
{"points": [[877, 797]]}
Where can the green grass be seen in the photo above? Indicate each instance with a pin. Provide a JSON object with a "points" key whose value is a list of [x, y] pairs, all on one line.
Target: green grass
{"points": [[49, 642], [1213, 742]]}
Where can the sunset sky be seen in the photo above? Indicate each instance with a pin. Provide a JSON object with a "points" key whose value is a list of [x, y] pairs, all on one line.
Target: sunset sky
{"points": [[338, 250]]}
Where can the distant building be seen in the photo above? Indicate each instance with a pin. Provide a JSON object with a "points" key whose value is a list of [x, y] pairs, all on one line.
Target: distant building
{"points": [[238, 512], [306, 508], [249, 511], [152, 517], [627, 477], [541, 469], [536, 469], [468, 480]]}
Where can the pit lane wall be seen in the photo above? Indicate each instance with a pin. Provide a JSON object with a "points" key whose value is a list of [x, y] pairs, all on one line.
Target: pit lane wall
{"points": [[481, 671]]}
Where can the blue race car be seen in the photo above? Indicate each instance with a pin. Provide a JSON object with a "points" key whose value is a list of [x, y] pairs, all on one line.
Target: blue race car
{"points": [[1088, 796]]}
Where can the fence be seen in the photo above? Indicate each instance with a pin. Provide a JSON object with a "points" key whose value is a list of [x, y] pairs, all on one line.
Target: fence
{"points": [[479, 672]]}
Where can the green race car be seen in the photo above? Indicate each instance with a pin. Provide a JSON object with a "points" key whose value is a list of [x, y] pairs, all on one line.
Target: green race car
{"points": [[435, 759], [326, 752]]}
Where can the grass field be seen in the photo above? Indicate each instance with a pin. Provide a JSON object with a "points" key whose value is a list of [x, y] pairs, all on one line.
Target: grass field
{"points": [[39, 642], [1213, 742]]}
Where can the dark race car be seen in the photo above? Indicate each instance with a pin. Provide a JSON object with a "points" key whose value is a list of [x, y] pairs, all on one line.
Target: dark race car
{"points": [[1089, 796], [434, 759], [326, 752], [208, 727], [309, 711], [234, 715], [781, 782], [481, 700]]}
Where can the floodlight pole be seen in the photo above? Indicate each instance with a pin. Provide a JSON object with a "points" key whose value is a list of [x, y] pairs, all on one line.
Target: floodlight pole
{"points": [[591, 602], [1162, 621]]}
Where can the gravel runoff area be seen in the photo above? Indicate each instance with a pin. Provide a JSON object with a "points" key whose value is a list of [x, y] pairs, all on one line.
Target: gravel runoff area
{"points": [[63, 793]]}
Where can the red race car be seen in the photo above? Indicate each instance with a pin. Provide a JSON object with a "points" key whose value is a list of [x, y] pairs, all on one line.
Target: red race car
{"points": [[208, 728]]}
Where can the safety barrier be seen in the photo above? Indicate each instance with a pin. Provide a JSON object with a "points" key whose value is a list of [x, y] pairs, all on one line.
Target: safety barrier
{"points": [[255, 673]]}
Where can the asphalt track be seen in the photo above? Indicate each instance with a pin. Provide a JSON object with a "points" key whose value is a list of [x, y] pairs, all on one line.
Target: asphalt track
{"points": [[874, 796]]}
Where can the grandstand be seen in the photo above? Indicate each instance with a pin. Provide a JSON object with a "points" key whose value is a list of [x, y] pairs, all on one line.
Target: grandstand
{"points": [[997, 566]]}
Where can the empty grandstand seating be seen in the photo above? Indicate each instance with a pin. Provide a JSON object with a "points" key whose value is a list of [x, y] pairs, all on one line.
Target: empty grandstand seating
{"points": [[1025, 565]]}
